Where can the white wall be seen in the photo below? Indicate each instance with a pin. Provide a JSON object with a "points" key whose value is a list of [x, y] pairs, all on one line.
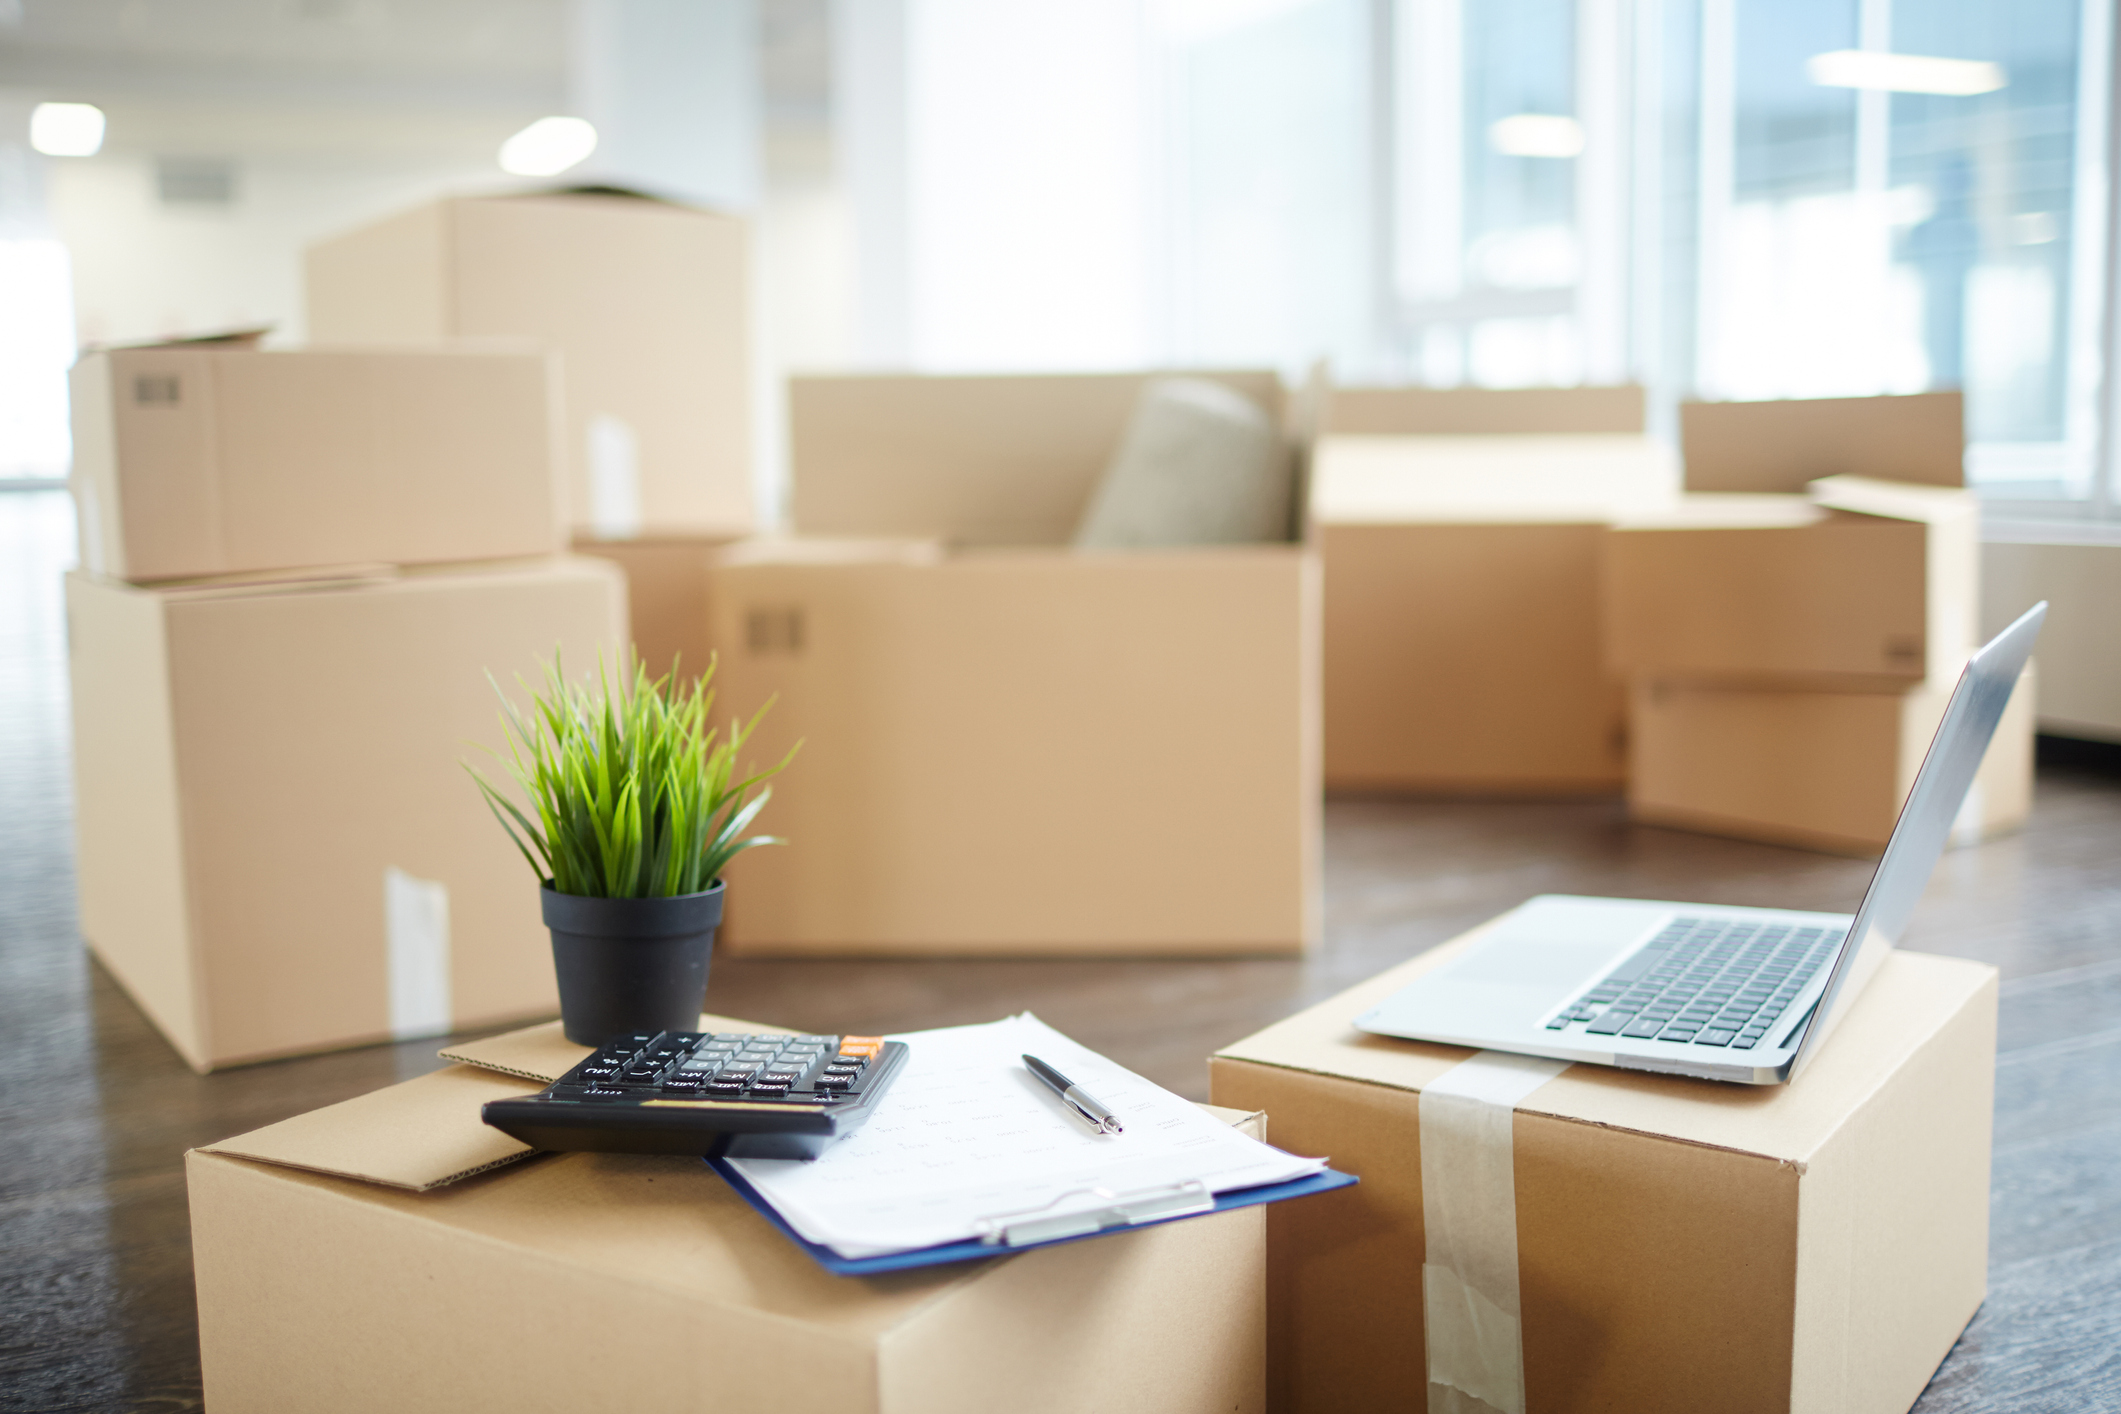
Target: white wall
{"points": [[144, 269], [2079, 652]]}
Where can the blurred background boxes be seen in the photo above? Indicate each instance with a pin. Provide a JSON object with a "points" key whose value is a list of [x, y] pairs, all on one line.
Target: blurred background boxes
{"points": [[1859, 580], [1791, 643], [647, 302], [1460, 535], [1019, 748], [279, 850], [1780, 445], [666, 596], [1812, 766], [214, 457]]}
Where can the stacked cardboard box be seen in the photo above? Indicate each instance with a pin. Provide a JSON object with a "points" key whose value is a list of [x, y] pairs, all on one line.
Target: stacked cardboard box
{"points": [[647, 304], [1793, 632], [363, 1257], [1010, 746], [1460, 534], [298, 569]]}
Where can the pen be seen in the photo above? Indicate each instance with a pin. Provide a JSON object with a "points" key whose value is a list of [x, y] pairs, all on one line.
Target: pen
{"points": [[1090, 1111]]}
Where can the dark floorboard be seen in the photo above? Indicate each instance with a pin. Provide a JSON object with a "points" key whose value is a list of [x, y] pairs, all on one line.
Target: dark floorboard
{"points": [[96, 1307]]}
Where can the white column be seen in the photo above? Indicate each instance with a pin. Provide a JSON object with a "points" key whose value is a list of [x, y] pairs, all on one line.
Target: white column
{"points": [[1602, 86], [672, 87], [869, 139]]}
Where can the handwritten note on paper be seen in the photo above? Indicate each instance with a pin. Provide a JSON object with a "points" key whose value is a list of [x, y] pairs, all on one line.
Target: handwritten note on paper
{"points": [[967, 1133]]}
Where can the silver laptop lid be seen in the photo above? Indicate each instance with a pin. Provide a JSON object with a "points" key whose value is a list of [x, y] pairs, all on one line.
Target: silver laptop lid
{"points": [[1925, 822]]}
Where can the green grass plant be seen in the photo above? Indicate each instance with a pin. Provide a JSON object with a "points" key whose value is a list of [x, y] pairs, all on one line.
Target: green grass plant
{"points": [[634, 794]]}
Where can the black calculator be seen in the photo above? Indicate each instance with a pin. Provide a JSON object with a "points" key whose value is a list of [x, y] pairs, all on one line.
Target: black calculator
{"points": [[713, 1094]]}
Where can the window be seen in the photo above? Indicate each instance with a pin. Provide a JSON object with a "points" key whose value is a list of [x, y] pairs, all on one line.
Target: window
{"points": [[1758, 199]]}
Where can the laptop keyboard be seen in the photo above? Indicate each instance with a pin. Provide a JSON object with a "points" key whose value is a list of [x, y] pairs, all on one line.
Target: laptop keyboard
{"points": [[1705, 981]]}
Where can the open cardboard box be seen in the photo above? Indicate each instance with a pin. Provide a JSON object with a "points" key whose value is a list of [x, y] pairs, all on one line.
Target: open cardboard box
{"points": [[1460, 532], [1859, 584], [214, 457], [279, 848], [647, 303], [390, 1253], [1009, 746], [1680, 1244]]}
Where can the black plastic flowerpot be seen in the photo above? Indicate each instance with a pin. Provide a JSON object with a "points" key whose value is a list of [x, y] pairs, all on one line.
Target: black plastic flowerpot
{"points": [[630, 964]]}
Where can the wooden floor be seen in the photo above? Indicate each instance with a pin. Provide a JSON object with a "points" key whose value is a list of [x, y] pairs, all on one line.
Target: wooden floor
{"points": [[96, 1308]]}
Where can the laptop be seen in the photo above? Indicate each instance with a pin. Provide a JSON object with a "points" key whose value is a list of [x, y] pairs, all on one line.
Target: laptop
{"points": [[1740, 994]]}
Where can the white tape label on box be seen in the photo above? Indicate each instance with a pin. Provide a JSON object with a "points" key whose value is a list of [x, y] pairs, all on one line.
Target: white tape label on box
{"points": [[1471, 1317], [614, 478], [416, 929]]}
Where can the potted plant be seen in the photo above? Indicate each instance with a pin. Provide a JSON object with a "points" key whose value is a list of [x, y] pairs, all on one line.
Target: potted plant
{"points": [[638, 810]]}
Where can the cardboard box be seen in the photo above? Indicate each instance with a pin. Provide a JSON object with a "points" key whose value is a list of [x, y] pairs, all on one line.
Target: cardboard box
{"points": [[1461, 608], [361, 1257], [1821, 769], [1783, 445], [1861, 584], [647, 302], [279, 850], [1680, 1244], [1027, 752], [209, 458], [1016, 748], [666, 596]]}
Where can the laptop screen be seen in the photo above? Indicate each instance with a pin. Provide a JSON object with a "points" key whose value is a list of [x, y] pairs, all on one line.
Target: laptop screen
{"points": [[1926, 820]]}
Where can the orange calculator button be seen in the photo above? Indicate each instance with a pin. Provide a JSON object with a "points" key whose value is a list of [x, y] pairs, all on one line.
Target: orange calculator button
{"points": [[861, 1045]]}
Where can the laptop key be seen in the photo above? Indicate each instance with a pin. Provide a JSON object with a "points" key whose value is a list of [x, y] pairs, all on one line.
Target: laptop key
{"points": [[1643, 1030], [1610, 1023], [1717, 1037]]}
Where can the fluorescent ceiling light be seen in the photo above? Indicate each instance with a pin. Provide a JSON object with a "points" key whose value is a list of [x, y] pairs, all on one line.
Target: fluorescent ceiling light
{"points": [[66, 129], [548, 146], [1536, 135], [1904, 73]]}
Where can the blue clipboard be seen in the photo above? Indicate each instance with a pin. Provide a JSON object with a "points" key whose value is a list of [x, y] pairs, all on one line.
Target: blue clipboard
{"points": [[973, 1250]]}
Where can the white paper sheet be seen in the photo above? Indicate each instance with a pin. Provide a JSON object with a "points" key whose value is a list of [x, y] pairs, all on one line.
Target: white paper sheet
{"points": [[966, 1133]]}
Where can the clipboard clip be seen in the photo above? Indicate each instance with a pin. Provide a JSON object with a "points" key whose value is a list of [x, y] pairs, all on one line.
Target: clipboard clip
{"points": [[1106, 1209]]}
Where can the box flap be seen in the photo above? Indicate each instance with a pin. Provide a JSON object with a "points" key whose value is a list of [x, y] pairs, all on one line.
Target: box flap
{"points": [[543, 1054], [419, 1135], [1726, 511], [1780, 444], [1489, 479], [1896, 500], [823, 550], [1908, 1000]]}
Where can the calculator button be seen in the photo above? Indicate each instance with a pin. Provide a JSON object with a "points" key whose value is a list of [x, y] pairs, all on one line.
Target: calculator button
{"points": [[597, 1072], [685, 1082], [829, 1081], [741, 1068], [724, 1087], [684, 1040], [770, 1087]]}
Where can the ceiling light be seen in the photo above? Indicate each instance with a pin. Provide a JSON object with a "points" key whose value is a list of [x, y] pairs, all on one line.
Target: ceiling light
{"points": [[1536, 135], [548, 146], [1904, 73], [66, 129]]}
